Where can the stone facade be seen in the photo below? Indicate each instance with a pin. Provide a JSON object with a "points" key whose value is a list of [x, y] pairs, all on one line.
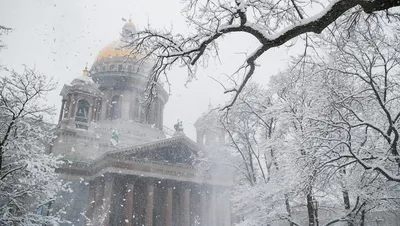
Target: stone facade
{"points": [[122, 167]]}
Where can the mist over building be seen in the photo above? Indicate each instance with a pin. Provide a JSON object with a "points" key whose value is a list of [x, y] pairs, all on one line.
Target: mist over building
{"points": [[124, 166]]}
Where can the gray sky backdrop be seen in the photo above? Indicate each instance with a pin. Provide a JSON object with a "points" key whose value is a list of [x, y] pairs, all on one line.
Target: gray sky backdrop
{"points": [[58, 37]]}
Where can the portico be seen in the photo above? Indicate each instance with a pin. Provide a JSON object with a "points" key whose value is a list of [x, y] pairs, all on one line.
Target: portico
{"points": [[124, 190]]}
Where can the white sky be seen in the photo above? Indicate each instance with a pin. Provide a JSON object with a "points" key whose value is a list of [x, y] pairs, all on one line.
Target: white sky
{"points": [[58, 37]]}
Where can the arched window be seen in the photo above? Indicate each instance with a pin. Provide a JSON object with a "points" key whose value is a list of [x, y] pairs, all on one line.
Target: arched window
{"points": [[115, 111], [82, 114]]}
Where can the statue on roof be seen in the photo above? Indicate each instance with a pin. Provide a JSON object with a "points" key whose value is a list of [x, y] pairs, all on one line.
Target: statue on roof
{"points": [[178, 126]]}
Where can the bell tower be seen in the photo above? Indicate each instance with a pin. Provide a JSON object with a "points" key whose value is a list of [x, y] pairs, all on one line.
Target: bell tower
{"points": [[80, 102], [209, 129]]}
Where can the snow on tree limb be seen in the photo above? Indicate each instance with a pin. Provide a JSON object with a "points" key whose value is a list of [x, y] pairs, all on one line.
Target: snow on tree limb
{"points": [[213, 19], [3, 29]]}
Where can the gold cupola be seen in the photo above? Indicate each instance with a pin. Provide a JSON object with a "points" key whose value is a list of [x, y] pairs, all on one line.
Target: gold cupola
{"points": [[118, 48]]}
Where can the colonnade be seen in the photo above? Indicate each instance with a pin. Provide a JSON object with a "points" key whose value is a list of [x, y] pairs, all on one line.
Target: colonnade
{"points": [[100, 108], [130, 201]]}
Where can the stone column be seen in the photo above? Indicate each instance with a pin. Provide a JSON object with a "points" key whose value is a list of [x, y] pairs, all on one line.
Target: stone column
{"points": [[200, 138], [227, 217], [73, 105], [62, 110], [107, 197], [91, 203], [212, 208], [203, 208], [158, 114], [104, 109], [168, 207], [162, 116], [209, 218], [150, 114], [149, 206], [186, 207], [94, 111], [195, 205], [98, 202], [125, 105], [220, 209], [129, 203], [67, 107], [98, 109]]}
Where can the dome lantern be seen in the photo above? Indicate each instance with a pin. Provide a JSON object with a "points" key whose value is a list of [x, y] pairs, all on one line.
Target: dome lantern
{"points": [[85, 72], [128, 29]]}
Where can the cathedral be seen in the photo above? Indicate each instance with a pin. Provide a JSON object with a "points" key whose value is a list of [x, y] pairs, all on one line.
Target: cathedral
{"points": [[123, 165]]}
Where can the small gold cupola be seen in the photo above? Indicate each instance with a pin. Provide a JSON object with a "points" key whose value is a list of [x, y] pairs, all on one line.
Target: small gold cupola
{"points": [[85, 71]]}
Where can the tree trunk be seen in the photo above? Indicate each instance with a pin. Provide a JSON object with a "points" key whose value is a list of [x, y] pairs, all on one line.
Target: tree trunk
{"points": [[346, 201], [3, 143], [253, 173], [287, 204], [362, 221], [316, 213], [310, 210]]}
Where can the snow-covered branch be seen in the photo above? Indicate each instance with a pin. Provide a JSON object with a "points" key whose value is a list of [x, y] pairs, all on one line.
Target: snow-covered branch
{"points": [[271, 22]]}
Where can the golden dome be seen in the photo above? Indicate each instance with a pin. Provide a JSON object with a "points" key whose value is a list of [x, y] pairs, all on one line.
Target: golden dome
{"points": [[116, 48]]}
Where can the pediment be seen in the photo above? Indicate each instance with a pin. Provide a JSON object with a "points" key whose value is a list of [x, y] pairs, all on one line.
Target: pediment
{"points": [[175, 150]]}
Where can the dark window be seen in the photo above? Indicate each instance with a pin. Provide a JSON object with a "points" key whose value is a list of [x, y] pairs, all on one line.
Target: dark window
{"points": [[82, 113], [103, 68], [120, 67], [112, 67]]}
